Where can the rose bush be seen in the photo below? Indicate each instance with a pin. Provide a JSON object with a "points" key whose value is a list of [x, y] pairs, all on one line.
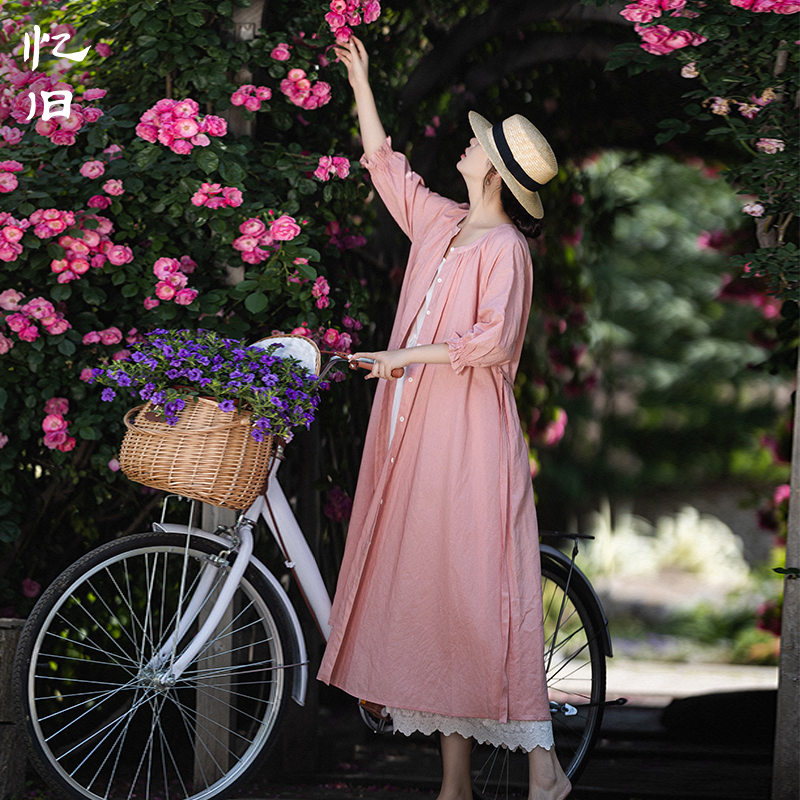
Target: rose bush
{"points": [[744, 55], [142, 211]]}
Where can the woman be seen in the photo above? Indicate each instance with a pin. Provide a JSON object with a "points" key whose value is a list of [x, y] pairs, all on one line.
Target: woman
{"points": [[438, 611]]}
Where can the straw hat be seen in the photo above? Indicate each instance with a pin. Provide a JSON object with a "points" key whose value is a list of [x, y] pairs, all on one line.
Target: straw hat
{"points": [[520, 154]]}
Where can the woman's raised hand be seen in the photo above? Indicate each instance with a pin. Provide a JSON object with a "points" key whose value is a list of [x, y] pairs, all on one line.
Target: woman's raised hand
{"points": [[354, 56]]}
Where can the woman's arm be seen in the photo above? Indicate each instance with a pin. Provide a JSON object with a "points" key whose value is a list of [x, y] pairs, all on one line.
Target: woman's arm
{"points": [[355, 58], [387, 360]]}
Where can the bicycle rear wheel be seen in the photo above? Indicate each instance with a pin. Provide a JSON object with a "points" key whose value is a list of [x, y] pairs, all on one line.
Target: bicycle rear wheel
{"points": [[101, 724], [576, 681]]}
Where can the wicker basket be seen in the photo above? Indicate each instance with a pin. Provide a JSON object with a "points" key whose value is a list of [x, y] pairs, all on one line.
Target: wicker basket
{"points": [[209, 455]]}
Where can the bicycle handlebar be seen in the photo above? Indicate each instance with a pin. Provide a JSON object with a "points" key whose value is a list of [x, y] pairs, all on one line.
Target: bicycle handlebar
{"points": [[364, 363]]}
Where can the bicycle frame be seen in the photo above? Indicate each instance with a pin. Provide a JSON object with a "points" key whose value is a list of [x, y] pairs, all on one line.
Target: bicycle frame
{"points": [[274, 508]]}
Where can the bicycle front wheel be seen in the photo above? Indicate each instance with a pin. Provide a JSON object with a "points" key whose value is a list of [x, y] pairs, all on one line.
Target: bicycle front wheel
{"points": [[89, 676], [576, 682]]}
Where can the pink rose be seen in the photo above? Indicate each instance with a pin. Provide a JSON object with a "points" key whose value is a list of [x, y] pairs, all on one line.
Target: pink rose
{"points": [[120, 254], [233, 196], [86, 374], [99, 201], [280, 52], [330, 337], [181, 146], [753, 209], [253, 227], [215, 126], [95, 94], [54, 439], [372, 10], [9, 299], [92, 169], [285, 228], [165, 291], [54, 422], [17, 322], [147, 132], [150, 302], [59, 326], [187, 265], [93, 337], [111, 336], [238, 99], [184, 297], [114, 187], [63, 138], [342, 166], [770, 145], [5, 344], [30, 588], [92, 114], [67, 445], [296, 75], [29, 334], [113, 465], [56, 405], [8, 182], [165, 267]]}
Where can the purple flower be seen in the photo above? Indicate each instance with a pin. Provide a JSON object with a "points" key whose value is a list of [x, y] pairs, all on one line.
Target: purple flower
{"points": [[108, 395], [227, 405]]}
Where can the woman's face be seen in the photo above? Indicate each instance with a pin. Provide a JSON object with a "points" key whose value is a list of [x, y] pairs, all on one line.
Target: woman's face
{"points": [[474, 162]]}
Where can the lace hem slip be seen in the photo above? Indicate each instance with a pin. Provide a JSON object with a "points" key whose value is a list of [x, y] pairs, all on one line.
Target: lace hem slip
{"points": [[514, 734]]}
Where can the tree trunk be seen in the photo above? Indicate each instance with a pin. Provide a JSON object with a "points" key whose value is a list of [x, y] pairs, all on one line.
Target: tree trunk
{"points": [[786, 763]]}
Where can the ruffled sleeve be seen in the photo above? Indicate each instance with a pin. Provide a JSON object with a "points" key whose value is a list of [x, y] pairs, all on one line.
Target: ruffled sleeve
{"points": [[496, 334], [413, 206]]}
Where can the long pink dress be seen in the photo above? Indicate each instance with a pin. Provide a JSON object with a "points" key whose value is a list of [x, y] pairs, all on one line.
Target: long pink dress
{"points": [[438, 604]]}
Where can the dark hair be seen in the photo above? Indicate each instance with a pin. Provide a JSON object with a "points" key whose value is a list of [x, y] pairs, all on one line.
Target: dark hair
{"points": [[527, 225]]}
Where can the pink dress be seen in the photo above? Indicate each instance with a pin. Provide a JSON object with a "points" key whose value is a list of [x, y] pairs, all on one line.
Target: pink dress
{"points": [[438, 610]]}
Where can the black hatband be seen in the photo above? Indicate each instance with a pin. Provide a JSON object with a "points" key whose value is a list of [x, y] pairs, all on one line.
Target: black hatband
{"points": [[511, 163]]}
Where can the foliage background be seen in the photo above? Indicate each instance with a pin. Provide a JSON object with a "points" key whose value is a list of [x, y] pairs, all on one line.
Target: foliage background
{"points": [[639, 335]]}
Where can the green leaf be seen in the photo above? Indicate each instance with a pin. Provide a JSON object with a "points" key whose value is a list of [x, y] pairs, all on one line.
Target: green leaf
{"points": [[55, 250], [26, 209], [60, 292], [147, 157], [256, 302], [88, 432], [94, 295], [307, 271], [207, 161], [277, 71], [195, 18], [281, 120], [9, 531], [306, 186], [218, 225], [327, 193], [129, 290], [66, 347], [231, 171]]}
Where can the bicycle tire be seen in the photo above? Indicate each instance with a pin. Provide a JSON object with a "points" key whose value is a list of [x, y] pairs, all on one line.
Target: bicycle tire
{"points": [[576, 679], [98, 723]]}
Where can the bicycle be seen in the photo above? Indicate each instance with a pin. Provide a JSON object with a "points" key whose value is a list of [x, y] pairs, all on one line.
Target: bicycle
{"points": [[160, 665]]}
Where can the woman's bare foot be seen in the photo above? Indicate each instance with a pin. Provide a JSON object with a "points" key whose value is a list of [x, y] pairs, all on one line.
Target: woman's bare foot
{"points": [[547, 779]]}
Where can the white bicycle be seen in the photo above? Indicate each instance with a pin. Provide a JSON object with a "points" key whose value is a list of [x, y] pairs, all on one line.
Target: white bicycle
{"points": [[160, 665]]}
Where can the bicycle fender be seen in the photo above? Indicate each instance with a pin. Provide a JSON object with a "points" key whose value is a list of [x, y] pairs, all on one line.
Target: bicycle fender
{"points": [[298, 655], [565, 562]]}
